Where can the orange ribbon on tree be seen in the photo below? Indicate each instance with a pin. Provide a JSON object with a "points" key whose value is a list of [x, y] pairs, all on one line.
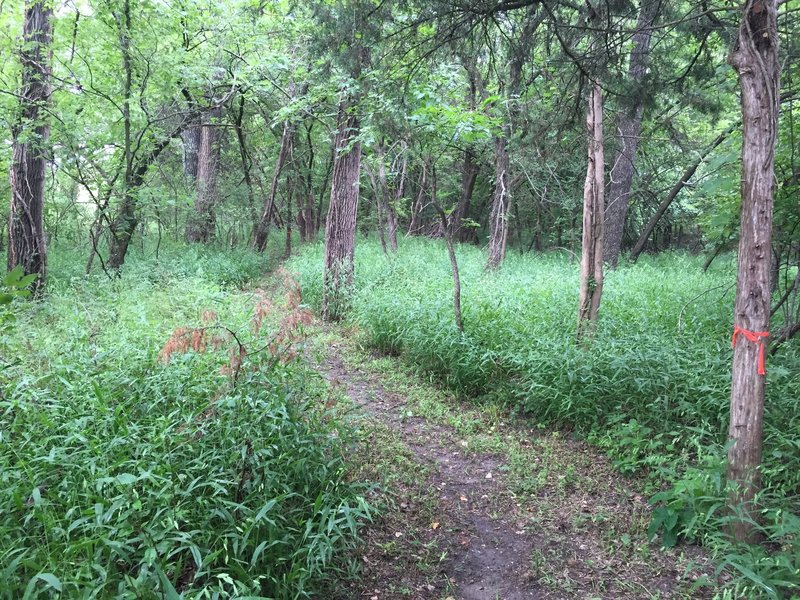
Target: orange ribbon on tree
{"points": [[756, 337]]}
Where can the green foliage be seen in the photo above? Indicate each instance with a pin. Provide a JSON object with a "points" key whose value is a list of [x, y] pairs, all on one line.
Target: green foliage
{"points": [[124, 477], [14, 285], [652, 389]]}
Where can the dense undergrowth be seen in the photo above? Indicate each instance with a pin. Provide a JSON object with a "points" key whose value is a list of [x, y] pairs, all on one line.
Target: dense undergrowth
{"points": [[127, 475], [652, 389]]}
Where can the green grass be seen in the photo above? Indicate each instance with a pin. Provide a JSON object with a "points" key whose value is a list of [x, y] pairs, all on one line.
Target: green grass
{"points": [[122, 477], [652, 389]]}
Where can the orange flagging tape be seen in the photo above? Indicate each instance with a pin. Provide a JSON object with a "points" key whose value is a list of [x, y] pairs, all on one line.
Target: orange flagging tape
{"points": [[756, 337]]}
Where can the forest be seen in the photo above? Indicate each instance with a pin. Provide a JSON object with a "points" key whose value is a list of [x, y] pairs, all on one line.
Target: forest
{"points": [[386, 299]]}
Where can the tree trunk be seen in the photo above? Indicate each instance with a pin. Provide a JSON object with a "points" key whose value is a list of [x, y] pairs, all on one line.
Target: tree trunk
{"points": [[385, 199], [629, 126], [469, 168], [262, 229], [122, 229], [755, 58], [191, 138], [469, 175], [449, 228], [201, 224], [305, 200], [416, 209], [27, 245], [399, 195], [323, 187], [340, 226], [498, 221], [289, 191], [673, 193], [591, 284], [247, 162]]}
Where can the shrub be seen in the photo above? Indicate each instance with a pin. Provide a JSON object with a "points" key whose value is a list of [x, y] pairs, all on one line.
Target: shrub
{"points": [[128, 477]]}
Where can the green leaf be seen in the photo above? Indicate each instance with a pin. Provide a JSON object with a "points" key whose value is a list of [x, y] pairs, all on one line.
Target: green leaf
{"points": [[170, 593], [669, 538], [126, 478]]}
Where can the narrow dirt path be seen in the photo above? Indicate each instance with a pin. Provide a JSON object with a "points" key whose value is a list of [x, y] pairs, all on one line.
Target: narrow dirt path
{"points": [[477, 505], [486, 554], [483, 507]]}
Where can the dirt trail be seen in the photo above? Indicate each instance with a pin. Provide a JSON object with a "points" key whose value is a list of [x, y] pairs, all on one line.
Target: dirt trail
{"points": [[488, 509], [487, 556]]}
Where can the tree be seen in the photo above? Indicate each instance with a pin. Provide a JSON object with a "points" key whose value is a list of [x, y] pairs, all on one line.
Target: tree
{"points": [[498, 221], [261, 230], [591, 282], [340, 225], [27, 244], [200, 226], [629, 128], [754, 56]]}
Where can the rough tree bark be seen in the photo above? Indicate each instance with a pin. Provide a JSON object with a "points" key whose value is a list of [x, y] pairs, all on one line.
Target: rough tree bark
{"points": [[200, 225], [591, 282], [191, 138], [755, 58], [498, 221], [27, 244], [340, 225], [124, 224], [629, 129]]}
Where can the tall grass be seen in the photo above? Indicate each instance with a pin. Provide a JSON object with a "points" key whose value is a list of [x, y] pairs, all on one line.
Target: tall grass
{"points": [[124, 477], [652, 388]]}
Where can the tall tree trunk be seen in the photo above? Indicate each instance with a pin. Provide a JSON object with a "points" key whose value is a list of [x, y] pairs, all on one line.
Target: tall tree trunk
{"points": [[469, 168], [27, 244], [191, 138], [247, 162], [262, 229], [305, 200], [591, 283], [469, 175], [673, 193], [449, 228], [399, 194], [501, 199], [122, 229], [755, 58], [377, 194], [289, 192], [415, 226], [384, 198], [340, 226], [201, 224], [629, 129], [124, 225], [498, 221]]}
